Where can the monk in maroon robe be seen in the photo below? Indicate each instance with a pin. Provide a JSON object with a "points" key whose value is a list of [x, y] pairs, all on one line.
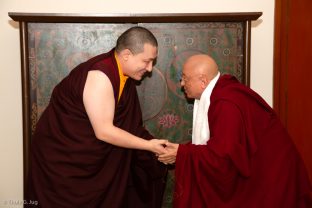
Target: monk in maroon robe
{"points": [[90, 148], [247, 160]]}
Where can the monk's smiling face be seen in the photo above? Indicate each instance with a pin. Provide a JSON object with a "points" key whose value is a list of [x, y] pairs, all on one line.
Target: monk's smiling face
{"points": [[136, 65]]}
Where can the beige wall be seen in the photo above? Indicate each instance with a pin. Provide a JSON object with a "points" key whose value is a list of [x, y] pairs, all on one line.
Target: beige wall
{"points": [[11, 166]]}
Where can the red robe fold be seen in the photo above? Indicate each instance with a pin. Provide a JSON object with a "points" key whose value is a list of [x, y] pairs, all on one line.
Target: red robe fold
{"points": [[70, 167], [249, 162]]}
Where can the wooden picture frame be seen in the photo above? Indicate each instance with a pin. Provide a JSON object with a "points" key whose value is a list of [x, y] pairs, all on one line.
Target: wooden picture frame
{"points": [[27, 20]]}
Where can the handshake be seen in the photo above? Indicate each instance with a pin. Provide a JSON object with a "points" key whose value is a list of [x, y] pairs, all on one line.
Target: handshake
{"points": [[165, 151]]}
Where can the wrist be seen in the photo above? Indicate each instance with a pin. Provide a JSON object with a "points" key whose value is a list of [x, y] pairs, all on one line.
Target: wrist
{"points": [[147, 145]]}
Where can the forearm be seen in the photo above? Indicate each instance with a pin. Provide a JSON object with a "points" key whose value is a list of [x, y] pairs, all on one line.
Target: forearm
{"points": [[118, 137]]}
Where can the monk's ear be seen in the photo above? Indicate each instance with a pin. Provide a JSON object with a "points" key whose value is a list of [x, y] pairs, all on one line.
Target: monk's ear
{"points": [[204, 81], [125, 54]]}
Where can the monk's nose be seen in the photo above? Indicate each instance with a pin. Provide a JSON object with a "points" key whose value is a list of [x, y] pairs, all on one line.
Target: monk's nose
{"points": [[149, 67]]}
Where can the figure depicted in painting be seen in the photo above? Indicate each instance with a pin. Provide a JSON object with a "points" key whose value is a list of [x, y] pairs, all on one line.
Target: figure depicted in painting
{"points": [[90, 148], [240, 154]]}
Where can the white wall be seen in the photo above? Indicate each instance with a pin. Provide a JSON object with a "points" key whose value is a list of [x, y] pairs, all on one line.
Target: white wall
{"points": [[11, 163]]}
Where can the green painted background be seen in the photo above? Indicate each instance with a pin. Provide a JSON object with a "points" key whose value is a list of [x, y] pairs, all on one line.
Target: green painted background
{"points": [[54, 49]]}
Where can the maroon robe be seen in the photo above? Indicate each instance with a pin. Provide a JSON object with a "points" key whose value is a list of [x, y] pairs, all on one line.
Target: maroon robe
{"points": [[70, 167], [249, 162]]}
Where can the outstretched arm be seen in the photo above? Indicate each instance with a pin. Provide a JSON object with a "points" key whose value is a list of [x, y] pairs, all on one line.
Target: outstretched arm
{"points": [[98, 99]]}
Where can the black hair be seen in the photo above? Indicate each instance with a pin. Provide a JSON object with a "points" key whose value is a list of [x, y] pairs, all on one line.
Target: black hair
{"points": [[134, 40]]}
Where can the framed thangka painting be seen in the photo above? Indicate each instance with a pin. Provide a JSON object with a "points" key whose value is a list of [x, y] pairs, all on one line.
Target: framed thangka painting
{"points": [[53, 44]]}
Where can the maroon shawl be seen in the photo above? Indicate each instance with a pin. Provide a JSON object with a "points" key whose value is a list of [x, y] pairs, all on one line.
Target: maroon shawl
{"points": [[249, 161]]}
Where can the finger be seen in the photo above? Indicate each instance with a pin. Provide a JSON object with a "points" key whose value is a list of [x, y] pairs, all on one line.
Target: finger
{"points": [[172, 161], [167, 159], [161, 151], [168, 154], [163, 159], [171, 145], [163, 156], [163, 141]]}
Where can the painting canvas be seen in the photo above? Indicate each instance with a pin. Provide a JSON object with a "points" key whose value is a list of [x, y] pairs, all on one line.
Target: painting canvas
{"points": [[56, 48]]}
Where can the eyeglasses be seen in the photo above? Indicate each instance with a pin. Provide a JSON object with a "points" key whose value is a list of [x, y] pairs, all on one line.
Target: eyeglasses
{"points": [[188, 78]]}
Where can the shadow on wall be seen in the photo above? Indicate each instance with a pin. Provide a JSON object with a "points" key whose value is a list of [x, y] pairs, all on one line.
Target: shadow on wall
{"points": [[14, 24]]}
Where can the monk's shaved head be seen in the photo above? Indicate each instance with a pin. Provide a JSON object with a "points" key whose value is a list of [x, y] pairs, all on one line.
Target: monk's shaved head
{"points": [[198, 71], [201, 64]]}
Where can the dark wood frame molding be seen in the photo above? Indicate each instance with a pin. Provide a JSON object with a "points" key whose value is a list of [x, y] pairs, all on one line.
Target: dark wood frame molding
{"points": [[280, 72], [25, 18], [134, 18]]}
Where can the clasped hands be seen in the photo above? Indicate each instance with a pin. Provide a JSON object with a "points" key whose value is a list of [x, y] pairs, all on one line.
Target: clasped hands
{"points": [[167, 153]]}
